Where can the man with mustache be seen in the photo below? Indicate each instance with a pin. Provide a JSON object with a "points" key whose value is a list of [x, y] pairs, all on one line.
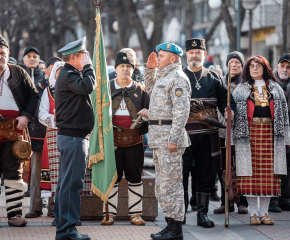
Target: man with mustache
{"points": [[128, 99], [208, 87], [18, 99], [282, 74]]}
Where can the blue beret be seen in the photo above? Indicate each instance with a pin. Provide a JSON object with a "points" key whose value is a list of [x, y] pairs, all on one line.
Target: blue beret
{"points": [[170, 47], [73, 47]]}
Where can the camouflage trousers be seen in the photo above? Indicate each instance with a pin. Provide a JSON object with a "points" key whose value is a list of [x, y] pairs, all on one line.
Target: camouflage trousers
{"points": [[168, 184]]}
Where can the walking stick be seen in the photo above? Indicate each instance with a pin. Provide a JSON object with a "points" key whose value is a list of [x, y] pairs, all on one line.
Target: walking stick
{"points": [[228, 173], [107, 211]]}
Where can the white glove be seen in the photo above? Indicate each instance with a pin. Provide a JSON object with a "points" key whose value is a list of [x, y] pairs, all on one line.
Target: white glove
{"points": [[85, 60]]}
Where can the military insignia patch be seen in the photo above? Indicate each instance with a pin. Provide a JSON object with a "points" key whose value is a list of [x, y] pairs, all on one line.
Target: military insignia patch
{"points": [[178, 92], [194, 44], [135, 95], [168, 46]]}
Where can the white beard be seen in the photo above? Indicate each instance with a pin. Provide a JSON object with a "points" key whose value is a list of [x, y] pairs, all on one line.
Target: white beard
{"points": [[284, 76], [195, 64]]}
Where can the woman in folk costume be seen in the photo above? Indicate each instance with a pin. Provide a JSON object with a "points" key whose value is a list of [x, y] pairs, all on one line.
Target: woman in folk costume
{"points": [[50, 155], [260, 135]]}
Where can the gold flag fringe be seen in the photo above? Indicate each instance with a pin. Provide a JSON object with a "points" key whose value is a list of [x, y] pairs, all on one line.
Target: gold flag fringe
{"points": [[98, 156], [98, 192]]}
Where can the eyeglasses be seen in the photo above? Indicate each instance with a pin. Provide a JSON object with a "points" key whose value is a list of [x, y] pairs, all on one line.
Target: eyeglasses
{"points": [[255, 66]]}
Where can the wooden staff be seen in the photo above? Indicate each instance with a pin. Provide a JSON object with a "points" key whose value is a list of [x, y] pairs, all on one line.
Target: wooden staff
{"points": [[228, 172]]}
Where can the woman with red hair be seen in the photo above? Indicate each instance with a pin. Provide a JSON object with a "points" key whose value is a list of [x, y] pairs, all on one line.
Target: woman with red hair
{"points": [[260, 134]]}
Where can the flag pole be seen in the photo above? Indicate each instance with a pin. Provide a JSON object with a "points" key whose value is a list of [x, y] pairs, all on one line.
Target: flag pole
{"points": [[97, 4]]}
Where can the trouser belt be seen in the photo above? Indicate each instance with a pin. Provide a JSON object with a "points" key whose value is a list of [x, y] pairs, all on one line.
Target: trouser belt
{"points": [[160, 122]]}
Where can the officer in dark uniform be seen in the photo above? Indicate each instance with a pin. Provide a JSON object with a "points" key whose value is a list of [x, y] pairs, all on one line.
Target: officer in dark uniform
{"points": [[75, 120]]}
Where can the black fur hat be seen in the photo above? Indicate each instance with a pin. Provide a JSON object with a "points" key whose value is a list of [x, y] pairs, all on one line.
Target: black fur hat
{"points": [[195, 43], [3, 42], [126, 56]]}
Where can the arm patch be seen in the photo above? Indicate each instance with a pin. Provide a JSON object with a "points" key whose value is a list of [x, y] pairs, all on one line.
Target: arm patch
{"points": [[178, 92]]}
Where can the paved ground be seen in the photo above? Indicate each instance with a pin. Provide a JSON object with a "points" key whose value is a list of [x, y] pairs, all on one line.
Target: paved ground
{"points": [[239, 228]]}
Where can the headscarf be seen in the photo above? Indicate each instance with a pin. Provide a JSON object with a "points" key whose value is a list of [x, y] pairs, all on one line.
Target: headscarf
{"points": [[52, 79]]}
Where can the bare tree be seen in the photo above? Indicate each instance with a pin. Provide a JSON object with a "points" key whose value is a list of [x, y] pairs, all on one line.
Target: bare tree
{"points": [[188, 18], [122, 16], [147, 45], [86, 13]]}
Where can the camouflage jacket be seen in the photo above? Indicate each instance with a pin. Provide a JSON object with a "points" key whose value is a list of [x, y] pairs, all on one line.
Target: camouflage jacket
{"points": [[170, 100]]}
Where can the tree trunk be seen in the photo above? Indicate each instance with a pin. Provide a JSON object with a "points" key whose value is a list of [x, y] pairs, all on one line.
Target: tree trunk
{"points": [[285, 26], [188, 19], [124, 27], [136, 21]]}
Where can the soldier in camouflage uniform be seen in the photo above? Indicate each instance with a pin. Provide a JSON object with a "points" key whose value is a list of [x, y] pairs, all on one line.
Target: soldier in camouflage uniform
{"points": [[168, 113]]}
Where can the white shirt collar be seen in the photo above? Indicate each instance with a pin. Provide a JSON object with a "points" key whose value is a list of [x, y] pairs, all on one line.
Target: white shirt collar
{"points": [[118, 87]]}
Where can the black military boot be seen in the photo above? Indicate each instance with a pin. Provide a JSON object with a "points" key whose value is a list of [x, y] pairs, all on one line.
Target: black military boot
{"points": [[202, 209], [186, 203], [165, 230], [174, 231]]}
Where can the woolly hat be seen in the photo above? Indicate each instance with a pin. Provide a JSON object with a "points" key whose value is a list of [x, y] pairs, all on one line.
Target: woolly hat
{"points": [[3, 42], [236, 55], [126, 56]]}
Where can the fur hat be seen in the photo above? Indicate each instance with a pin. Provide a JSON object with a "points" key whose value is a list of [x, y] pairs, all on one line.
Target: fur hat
{"points": [[195, 43], [126, 56]]}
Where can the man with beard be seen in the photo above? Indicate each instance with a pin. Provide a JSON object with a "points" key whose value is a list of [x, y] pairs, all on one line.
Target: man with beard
{"points": [[128, 98], [18, 100], [282, 74], [235, 60], [169, 109], [207, 87]]}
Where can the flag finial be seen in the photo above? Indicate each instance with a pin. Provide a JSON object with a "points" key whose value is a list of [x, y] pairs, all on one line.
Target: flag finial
{"points": [[97, 4]]}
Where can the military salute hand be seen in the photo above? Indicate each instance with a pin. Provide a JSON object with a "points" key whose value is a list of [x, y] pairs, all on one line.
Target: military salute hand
{"points": [[152, 62], [86, 60]]}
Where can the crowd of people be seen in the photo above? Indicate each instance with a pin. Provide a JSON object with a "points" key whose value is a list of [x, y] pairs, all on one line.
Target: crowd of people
{"points": [[182, 109]]}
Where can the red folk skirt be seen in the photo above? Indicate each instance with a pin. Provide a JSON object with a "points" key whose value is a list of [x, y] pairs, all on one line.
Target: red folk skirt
{"points": [[263, 182]]}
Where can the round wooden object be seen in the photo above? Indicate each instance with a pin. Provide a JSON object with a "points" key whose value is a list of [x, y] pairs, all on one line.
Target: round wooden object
{"points": [[21, 150]]}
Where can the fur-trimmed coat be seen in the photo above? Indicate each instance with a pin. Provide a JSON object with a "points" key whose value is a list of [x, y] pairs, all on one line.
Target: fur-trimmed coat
{"points": [[240, 129]]}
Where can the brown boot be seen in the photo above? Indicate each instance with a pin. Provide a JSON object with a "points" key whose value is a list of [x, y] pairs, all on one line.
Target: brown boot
{"points": [[137, 220], [33, 214], [17, 221]]}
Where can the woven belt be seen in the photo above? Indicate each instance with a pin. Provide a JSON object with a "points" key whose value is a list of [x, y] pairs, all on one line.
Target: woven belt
{"points": [[160, 122], [261, 120]]}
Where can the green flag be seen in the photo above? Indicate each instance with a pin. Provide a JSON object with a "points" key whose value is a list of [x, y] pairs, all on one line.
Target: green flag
{"points": [[102, 153]]}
